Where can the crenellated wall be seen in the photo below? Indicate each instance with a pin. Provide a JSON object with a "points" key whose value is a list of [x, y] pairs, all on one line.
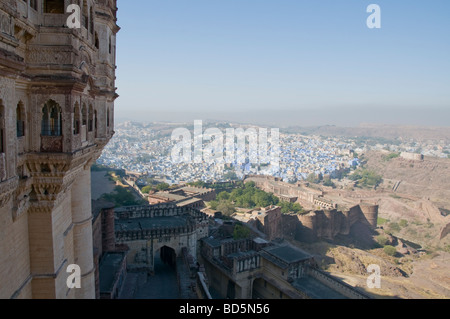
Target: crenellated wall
{"points": [[327, 223], [148, 229]]}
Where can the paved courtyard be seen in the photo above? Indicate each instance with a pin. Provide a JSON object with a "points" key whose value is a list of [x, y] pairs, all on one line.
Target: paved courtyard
{"points": [[163, 285]]}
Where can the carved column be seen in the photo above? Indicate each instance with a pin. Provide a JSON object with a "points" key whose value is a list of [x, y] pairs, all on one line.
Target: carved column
{"points": [[82, 234]]}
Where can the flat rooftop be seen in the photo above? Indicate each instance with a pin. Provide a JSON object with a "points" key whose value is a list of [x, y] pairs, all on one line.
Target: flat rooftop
{"points": [[167, 196], [242, 254], [150, 223], [189, 201], [195, 190], [260, 240], [287, 253], [211, 241]]}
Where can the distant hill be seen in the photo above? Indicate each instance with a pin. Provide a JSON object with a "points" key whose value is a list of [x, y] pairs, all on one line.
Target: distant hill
{"points": [[428, 178], [419, 133]]}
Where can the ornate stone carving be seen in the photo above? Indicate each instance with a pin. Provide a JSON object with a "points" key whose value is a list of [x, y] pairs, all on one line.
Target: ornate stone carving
{"points": [[51, 144], [5, 23], [49, 56], [20, 207], [7, 189]]}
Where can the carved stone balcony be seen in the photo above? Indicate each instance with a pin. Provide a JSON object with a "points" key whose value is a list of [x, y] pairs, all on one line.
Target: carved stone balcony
{"points": [[51, 144], [55, 20]]}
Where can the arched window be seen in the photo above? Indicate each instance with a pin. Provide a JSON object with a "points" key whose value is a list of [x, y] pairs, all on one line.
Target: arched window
{"points": [[51, 119], [96, 41], [76, 119], [20, 116], [91, 119], [33, 4], [92, 20], [110, 45], [107, 117], [54, 6], [84, 114], [2, 127]]}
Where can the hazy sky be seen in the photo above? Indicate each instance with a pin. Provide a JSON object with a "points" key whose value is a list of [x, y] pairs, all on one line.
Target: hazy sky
{"points": [[306, 62]]}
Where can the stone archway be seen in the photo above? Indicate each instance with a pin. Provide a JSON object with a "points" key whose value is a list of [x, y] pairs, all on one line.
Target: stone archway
{"points": [[168, 256], [162, 282], [258, 285]]}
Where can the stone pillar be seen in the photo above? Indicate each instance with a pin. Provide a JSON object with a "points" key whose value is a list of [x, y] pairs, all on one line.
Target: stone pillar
{"points": [[109, 240], [82, 234], [42, 255]]}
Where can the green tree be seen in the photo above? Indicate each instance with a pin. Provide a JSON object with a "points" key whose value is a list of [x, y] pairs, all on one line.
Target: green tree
{"points": [[122, 196], [223, 196], [213, 204], [287, 207], [313, 178], [235, 193], [250, 185], [246, 196], [390, 250], [241, 232], [162, 186], [382, 240], [328, 182], [230, 176], [391, 156], [226, 208], [147, 189], [365, 177], [197, 184]]}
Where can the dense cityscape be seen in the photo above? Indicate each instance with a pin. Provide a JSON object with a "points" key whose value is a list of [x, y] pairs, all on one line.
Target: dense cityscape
{"points": [[224, 150], [143, 149]]}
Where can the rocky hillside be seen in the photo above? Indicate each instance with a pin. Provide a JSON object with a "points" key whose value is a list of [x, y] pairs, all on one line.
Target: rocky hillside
{"points": [[421, 196], [407, 275]]}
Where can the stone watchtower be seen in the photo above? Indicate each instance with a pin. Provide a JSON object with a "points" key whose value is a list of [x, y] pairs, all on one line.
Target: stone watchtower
{"points": [[57, 92]]}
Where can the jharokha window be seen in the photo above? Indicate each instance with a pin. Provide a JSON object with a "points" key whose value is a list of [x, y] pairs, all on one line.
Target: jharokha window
{"points": [[54, 6], [84, 114], [91, 119], [76, 120], [51, 119]]}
